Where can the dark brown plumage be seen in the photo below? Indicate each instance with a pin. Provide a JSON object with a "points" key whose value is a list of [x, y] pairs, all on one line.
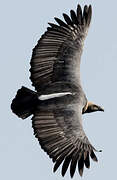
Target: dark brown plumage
{"points": [[59, 102]]}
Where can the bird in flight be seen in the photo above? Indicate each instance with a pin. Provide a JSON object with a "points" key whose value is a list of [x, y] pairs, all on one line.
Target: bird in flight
{"points": [[58, 102]]}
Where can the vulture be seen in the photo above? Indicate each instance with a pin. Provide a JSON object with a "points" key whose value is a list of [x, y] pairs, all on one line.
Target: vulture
{"points": [[58, 102]]}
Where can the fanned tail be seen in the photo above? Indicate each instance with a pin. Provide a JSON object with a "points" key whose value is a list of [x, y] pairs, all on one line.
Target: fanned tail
{"points": [[24, 103]]}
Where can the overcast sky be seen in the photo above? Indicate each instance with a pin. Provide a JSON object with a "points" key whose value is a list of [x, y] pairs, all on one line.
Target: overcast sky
{"points": [[21, 25]]}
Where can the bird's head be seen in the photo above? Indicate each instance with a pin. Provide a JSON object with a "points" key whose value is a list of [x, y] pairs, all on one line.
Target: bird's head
{"points": [[90, 107]]}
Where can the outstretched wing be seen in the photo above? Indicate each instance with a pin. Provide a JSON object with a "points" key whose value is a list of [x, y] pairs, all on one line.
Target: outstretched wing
{"points": [[57, 55], [61, 135]]}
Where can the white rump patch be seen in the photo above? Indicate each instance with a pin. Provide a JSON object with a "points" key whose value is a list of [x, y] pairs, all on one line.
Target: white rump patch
{"points": [[54, 95]]}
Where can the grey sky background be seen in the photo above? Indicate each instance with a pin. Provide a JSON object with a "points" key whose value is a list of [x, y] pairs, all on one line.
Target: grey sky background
{"points": [[21, 25]]}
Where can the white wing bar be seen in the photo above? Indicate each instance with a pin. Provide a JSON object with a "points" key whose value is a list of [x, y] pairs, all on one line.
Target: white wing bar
{"points": [[54, 95]]}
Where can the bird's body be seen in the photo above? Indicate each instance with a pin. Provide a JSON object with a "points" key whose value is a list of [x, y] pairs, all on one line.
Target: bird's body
{"points": [[60, 101]]}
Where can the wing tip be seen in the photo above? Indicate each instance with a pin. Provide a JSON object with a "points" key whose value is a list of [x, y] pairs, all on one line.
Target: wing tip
{"points": [[93, 156], [82, 16]]}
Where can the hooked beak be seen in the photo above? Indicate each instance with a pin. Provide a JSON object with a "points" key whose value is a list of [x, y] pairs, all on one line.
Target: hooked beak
{"points": [[100, 109]]}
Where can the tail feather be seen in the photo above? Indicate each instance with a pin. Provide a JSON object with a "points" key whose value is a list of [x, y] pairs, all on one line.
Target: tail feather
{"points": [[24, 103]]}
